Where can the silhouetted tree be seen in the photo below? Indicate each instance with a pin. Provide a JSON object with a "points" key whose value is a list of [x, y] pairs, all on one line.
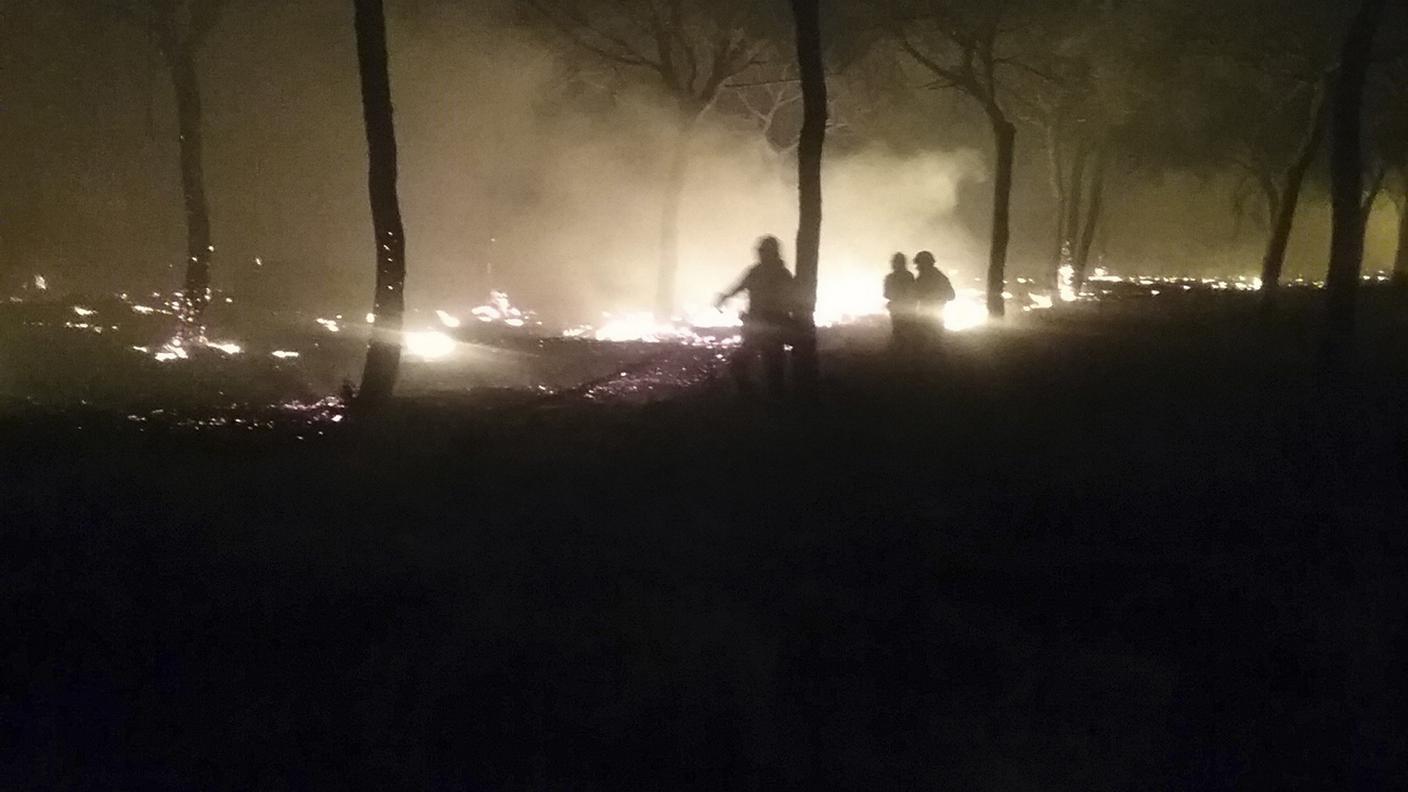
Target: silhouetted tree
{"points": [[389, 302], [693, 47], [958, 44], [1071, 89], [1388, 135], [811, 143], [1265, 75], [1282, 192], [1347, 170], [179, 28]]}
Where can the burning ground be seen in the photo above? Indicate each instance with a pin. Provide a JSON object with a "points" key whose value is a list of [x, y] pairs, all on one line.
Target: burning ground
{"points": [[121, 351]]}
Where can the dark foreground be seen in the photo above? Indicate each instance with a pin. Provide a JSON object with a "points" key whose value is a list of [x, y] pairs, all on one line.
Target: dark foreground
{"points": [[1107, 553]]}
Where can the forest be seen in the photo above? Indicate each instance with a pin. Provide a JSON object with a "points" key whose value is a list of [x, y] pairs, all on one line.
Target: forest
{"points": [[381, 406]]}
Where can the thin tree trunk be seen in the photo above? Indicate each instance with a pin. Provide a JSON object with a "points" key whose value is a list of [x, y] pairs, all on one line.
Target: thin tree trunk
{"points": [[1058, 193], [1092, 220], [670, 204], [1273, 262], [384, 352], [810, 146], [1347, 173], [1005, 137], [1070, 232], [196, 288], [1400, 258]]}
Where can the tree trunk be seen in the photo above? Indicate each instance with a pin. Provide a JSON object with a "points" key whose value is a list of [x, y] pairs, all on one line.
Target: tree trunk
{"points": [[196, 289], [1005, 137], [1347, 173], [670, 204], [1092, 221], [389, 302], [1058, 194], [810, 145], [1285, 211], [1400, 258], [1070, 232]]}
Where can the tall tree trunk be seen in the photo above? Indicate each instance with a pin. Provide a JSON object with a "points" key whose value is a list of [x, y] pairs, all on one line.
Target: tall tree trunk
{"points": [[1092, 220], [670, 203], [1005, 137], [389, 302], [810, 146], [1058, 194], [1285, 210], [1400, 257], [196, 289], [1070, 233], [1347, 173]]}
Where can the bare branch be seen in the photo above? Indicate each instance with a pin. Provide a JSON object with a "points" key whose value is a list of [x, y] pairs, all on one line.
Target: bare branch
{"points": [[623, 52]]}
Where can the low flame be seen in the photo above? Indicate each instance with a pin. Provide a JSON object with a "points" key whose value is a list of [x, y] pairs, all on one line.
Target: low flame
{"points": [[429, 344], [967, 311]]}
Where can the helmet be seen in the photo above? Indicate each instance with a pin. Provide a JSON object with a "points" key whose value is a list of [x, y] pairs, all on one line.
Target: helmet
{"points": [[924, 258], [769, 248]]}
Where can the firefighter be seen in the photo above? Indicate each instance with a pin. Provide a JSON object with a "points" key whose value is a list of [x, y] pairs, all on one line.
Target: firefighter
{"points": [[768, 320]]}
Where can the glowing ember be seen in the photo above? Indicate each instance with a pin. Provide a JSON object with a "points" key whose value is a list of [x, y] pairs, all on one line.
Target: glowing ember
{"points": [[40, 283], [429, 345], [371, 318], [228, 347], [81, 311], [447, 319], [144, 309], [330, 325], [284, 354]]}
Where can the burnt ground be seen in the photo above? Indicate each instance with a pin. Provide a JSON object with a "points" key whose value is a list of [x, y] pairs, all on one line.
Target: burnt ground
{"points": [[1109, 549]]}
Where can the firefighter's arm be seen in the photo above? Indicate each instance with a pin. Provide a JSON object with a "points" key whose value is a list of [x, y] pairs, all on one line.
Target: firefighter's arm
{"points": [[733, 292]]}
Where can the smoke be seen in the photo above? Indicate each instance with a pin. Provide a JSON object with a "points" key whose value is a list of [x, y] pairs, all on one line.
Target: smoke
{"points": [[525, 166], [522, 175]]}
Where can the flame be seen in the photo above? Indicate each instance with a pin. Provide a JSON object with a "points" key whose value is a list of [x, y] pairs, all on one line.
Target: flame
{"points": [[1066, 282], [498, 309], [967, 311], [429, 344]]}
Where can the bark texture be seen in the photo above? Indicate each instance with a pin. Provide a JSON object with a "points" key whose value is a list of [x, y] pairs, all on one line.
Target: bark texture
{"points": [[389, 301]]}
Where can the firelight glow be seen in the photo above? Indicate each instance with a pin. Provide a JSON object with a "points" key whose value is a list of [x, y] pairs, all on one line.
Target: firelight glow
{"points": [[429, 345]]}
